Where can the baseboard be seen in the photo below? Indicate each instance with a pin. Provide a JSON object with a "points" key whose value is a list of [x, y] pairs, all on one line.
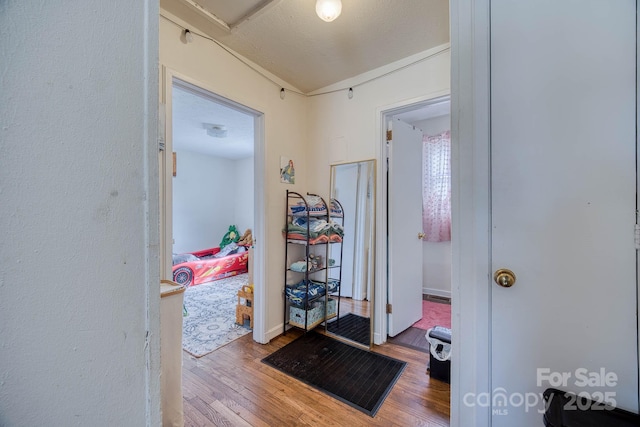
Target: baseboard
{"points": [[436, 292], [272, 333], [377, 339]]}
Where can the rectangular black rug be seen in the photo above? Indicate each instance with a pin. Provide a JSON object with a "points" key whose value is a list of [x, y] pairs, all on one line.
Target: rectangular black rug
{"points": [[353, 327], [359, 378]]}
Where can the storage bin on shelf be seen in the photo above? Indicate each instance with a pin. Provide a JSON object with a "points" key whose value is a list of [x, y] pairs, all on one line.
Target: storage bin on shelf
{"points": [[314, 315]]}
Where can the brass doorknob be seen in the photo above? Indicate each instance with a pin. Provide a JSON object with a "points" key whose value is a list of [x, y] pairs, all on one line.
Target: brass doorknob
{"points": [[505, 278], [420, 236]]}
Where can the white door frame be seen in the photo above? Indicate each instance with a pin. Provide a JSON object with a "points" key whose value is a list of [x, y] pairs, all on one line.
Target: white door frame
{"points": [[260, 311], [383, 115], [470, 211]]}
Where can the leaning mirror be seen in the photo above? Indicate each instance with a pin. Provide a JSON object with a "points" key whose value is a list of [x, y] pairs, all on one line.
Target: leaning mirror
{"points": [[353, 206]]}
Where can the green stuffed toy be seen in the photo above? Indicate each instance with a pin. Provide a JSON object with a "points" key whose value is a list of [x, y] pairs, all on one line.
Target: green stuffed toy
{"points": [[231, 237]]}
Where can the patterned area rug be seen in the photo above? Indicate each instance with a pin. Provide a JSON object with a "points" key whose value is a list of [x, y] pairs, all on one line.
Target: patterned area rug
{"points": [[210, 322]]}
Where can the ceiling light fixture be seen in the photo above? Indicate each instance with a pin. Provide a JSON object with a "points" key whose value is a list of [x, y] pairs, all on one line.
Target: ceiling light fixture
{"points": [[216, 131], [328, 10]]}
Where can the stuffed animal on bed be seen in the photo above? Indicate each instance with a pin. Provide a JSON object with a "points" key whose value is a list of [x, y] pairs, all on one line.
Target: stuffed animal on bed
{"points": [[246, 239], [231, 236]]}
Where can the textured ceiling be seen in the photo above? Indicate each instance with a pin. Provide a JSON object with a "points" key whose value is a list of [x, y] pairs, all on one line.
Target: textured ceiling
{"points": [[192, 110], [287, 38]]}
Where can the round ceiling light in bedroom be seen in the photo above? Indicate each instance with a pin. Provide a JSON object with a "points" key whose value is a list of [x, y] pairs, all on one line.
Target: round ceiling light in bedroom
{"points": [[216, 131]]}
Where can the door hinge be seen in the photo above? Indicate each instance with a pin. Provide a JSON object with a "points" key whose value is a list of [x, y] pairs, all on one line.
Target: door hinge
{"points": [[389, 135], [162, 118], [637, 236], [389, 309]]}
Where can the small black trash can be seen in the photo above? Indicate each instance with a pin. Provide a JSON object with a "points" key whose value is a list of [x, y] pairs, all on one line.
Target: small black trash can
{"points": [[439, 339]]}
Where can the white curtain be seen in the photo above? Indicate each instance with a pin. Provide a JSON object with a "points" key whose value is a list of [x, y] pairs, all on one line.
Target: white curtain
{"points": [[436, 187]]}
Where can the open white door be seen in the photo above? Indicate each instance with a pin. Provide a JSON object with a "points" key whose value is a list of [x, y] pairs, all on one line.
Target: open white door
{"points": [[563, 200], [404, 226]]}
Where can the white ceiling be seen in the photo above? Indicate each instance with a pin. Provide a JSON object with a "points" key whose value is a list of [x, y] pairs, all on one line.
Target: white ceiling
{"points": [[287, 38], [191, 110]]}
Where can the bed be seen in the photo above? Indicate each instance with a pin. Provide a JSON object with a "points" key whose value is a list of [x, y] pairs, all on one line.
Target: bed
{"points": [[211, 264]]}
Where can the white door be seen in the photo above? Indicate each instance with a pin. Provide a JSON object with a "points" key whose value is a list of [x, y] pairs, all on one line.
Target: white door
{"points": [[563, 180], [404, 225]]}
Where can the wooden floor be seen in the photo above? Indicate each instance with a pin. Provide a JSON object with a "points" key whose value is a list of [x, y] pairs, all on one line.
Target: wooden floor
{"points": [[232, 387], [412, 338]]}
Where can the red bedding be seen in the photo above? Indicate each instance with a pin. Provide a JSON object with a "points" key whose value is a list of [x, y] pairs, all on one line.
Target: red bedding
{"points": [[207, 268]]}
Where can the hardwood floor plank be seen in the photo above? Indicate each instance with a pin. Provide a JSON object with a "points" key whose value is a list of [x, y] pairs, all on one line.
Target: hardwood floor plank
{"points": [[260, 401], [234, 418], [312, 413], [247, 410], [225, 379], [199, 388], [193, 417], [210, 413]]}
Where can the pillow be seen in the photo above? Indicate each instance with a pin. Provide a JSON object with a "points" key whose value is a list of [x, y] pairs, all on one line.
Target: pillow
{"points": [[231, 248]]}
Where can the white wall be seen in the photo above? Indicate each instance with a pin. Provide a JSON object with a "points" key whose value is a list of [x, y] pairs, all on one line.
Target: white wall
{"points": [[285, 130], [204, 190], [244, 206], [436, 266], [343, 129], [79, 275]]}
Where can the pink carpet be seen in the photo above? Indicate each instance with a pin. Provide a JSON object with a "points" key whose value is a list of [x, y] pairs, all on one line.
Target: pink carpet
{"points": [[434, 314]]}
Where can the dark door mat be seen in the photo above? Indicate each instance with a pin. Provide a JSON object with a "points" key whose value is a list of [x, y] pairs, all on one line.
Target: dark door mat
{"points": [[353, 327], [359, 378]]}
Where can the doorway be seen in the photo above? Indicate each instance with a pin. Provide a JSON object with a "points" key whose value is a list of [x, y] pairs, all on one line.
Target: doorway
{"points": [[430, 279], [212, 215], [210, 168]]}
